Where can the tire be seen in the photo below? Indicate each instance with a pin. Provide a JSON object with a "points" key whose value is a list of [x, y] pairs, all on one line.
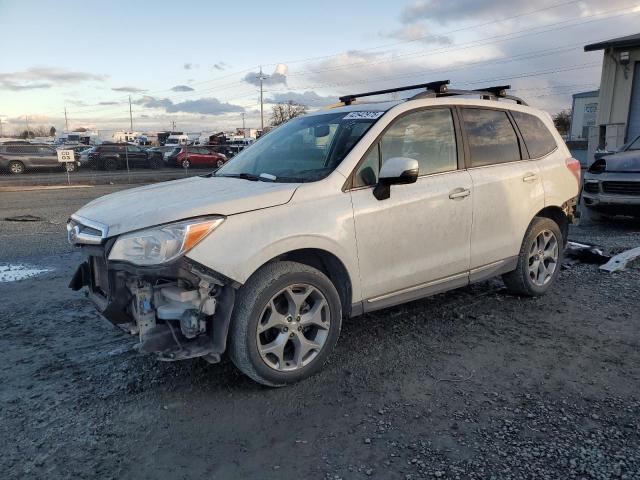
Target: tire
{"points": [[266, 287], [110, 164], [16, 168], [70, 167], [521, 281], [219, 163], [185, 164]]}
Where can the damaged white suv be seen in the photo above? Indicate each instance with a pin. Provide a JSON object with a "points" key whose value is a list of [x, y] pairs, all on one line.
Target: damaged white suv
{"points": [[334, 214]]}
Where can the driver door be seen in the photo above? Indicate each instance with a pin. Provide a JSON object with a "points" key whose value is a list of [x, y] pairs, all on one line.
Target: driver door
{"points": [[418, 240]]}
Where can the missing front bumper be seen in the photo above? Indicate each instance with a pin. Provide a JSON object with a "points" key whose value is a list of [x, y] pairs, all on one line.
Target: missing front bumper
{"points": [[159, 305]]}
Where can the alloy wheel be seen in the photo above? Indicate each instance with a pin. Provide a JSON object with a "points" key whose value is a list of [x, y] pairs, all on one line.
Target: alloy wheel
{"points": [[543, 257], [293, 327]]}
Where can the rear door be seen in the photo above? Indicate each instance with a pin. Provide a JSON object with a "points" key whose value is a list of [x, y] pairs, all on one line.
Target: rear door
{"points": [[507, 188], [137, 156], [48, 157]]}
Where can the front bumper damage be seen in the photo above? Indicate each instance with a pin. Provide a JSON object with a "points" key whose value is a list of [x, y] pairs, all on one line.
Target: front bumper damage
{"points": [[178, 311]]}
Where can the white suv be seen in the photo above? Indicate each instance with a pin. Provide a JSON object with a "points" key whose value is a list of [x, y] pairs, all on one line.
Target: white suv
{"points": [[338, 213]]}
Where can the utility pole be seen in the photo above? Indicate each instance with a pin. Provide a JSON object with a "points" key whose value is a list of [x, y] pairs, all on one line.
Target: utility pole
{"points": [[173, 125], [130, 116], [26, 120], [0, 127], [261, 77], [66, 122], [244, 132]]}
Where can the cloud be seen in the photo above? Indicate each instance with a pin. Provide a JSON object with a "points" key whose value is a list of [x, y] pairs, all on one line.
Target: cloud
{"points": [[191, 66], [278, 77], [44, 77], [308, 98], [108, 103], [129, 89], [182, 88], [445, 11], [219, 66], [205, 106], [415, 32]]}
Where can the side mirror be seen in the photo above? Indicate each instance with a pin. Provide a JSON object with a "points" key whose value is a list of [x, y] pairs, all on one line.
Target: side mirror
{"points": [[395, 171]]}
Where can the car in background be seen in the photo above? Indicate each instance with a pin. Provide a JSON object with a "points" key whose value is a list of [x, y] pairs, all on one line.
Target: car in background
{"points": [[612, 185], [115, 156], [631, 145], [158, 152], [199, 157], [19, 157], [77, 149]]}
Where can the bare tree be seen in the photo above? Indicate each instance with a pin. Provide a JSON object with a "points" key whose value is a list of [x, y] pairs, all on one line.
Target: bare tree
{"points": [[562, 121], [283, 112]]}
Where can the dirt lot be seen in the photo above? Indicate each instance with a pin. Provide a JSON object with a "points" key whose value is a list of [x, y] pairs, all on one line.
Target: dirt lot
{"points": [[470, 384]]}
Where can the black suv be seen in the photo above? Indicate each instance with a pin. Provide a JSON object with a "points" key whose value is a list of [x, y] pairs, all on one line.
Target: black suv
{"points": [[16, 157], [112, 156]]}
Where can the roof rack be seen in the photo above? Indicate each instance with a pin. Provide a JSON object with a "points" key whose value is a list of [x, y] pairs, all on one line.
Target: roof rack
{"points": [[439, 86], [440, 89]]}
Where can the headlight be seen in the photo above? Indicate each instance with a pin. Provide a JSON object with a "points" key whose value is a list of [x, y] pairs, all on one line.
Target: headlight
{"points": [[164, 243]]}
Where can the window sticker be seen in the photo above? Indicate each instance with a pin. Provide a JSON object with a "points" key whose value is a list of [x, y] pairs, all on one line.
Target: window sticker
{"points": [[363, 115]]}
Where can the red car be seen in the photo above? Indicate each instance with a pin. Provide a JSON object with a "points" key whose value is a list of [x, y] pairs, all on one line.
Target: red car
{"points": [[199, 157]]}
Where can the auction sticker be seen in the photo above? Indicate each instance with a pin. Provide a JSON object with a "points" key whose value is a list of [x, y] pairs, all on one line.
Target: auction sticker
{"points": [[363, 115]]}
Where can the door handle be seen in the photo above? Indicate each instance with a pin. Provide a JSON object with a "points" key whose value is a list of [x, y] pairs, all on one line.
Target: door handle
{"points": [[459, 193], [529, 177]]}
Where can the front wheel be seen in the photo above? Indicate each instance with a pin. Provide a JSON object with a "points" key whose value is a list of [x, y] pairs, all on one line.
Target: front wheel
{"points": [[186, 164], [16, 168], [539, 259], [219, 163], [70, 167], [286, 322]]}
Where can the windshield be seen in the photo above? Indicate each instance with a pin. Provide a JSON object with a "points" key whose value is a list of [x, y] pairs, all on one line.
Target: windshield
{"points": [[304, 149]]}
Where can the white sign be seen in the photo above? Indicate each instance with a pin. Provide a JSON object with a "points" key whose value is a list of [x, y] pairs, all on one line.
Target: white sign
{"points": [[65, 156], [363, 115]]}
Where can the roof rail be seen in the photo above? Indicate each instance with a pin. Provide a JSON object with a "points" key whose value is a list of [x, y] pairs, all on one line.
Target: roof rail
{"points": [[486, 93], [438, 87]]}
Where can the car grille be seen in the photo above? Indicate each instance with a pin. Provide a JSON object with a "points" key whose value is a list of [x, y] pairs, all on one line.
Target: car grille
{"points": [[621, 188], [591, 187]]}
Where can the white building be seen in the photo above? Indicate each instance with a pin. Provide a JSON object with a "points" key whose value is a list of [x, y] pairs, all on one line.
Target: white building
{"points": [[584, 114]]}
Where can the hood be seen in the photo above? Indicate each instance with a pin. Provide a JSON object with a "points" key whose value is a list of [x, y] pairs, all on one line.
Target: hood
{"points": [[166, 202], [628, 161]]}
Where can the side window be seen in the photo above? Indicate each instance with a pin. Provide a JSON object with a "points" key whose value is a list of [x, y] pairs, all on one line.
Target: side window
{"points": [[491, 137], [536, 135], [427, 136], [46, 151], [367, 173]]}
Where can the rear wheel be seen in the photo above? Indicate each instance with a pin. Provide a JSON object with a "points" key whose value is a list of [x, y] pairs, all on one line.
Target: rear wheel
{"points": [[110, 164], [16, 167], [539, 259], [219, 163], [285, 323], [186, 164], [155, 163]]}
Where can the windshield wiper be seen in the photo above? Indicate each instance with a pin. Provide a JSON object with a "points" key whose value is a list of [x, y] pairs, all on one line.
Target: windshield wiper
{"points": [[245, 176]]}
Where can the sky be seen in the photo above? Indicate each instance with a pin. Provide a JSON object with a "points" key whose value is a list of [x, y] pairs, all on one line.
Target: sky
{"points": [[196, 63]]}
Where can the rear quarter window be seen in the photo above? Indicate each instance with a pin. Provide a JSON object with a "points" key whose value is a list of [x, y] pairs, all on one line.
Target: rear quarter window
{"points": [[537, 137], [491, 137]]}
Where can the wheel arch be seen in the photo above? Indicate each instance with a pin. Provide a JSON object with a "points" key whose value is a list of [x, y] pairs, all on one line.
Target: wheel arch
{"points": [[329, 264], [558, 215]]}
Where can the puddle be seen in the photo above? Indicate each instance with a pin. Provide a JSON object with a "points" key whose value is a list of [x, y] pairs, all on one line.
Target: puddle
{"points": [[14, 272]]}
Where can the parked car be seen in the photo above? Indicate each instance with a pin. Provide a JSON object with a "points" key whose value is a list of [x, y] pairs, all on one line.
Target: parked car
{"points": [[333, 214], [158, 152], [114, 156], [612, 185], [19, 157], [77, 149], [199, 157], [631, 145]]}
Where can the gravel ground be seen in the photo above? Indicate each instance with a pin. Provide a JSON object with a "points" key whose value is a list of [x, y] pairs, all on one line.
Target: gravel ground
{"points": [[474, 383]]}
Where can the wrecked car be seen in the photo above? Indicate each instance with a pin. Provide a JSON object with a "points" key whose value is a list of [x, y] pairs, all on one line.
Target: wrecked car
{"points": [[334, 214], [612, 186]]}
